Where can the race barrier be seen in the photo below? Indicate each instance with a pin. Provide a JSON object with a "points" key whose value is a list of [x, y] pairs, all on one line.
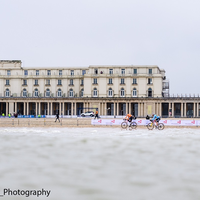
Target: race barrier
{"points": [[145, 122], [31, 116]]}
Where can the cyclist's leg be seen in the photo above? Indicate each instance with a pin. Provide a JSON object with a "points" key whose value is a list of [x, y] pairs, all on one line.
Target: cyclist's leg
{"points": [[129, 122], [155, 123], [158, 121]]}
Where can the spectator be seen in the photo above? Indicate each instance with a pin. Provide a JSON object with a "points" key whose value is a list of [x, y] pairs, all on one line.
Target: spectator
{"points": [[96, 114], [57, 117]]}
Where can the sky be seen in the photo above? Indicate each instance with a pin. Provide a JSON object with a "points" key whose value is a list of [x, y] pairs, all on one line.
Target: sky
{"points": [[70, 33]]}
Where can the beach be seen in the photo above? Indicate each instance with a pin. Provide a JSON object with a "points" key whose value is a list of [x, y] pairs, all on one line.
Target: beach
{"points": [[95, 163]]}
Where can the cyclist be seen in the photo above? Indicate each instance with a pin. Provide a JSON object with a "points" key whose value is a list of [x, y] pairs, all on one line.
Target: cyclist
{"points": [[129, 118], [155, 118]]}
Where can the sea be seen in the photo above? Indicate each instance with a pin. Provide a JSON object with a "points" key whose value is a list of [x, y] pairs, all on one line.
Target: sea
{"points": [[100, 163]]}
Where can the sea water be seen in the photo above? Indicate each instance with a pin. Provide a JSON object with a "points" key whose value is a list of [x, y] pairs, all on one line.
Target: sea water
{"points": [[101, 163]]}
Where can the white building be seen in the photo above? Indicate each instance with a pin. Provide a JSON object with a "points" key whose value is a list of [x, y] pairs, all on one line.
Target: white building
{"points": [[92, 81], [123, 89]]}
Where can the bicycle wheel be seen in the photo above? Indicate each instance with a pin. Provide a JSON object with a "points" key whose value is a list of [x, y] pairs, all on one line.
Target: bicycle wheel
{"points": [[124, 125], [161, 126], [150, 126], [133, 125]]}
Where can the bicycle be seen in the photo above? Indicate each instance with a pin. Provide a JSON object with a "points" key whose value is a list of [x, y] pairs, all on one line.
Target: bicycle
{"points": [[152, 125], [124, 124]]}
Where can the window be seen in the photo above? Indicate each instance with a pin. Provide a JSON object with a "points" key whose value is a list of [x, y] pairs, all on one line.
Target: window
{"points": [[122, 81], [47, 93], [134, 71], [25, 72], [36, 93], [110, 92], [71, 82], [8, 72], [82, 82], [7, 93], [122, 92], [24, 82], [71, 93], [149, 92], [149, 80], [134, 92], [48, 82], [110, 81], [48, 72], [59, 93], [59, 82], [95, 81], [95, 92], [82, 93], [60, 72], [7, 82], [122, 71], [36, 81], [72, 72], [150, 71], [24, 93], [95, 71], [110, 71], [83, 72], [37, 73], [134, 81]]}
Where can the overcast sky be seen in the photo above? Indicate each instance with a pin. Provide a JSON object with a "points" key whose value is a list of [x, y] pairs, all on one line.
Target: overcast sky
{"points": [[58, 33]]}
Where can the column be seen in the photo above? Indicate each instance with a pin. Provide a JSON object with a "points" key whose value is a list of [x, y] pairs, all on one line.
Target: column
{"points": [[185, 109], [72, 108], [114, 109], [27, 111], [36, 112], [106, 108], [84, 106], [160, 111], [197, 109], [99, 108], [63, 108], [126, 108], [145, 109], [117, 108], [156, 107], [129, 108], [75, 108], [15, 107], [51, 110], [194, 109], [6, 108], [24, 112], [11, 107], [181, 109], [138, 109], [47, 108], [142, 109], [60, 108], [172, 109], [39, 108]]}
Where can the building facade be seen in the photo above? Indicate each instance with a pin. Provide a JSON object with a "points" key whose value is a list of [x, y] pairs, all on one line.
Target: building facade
{"points": [[113, 90]]}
